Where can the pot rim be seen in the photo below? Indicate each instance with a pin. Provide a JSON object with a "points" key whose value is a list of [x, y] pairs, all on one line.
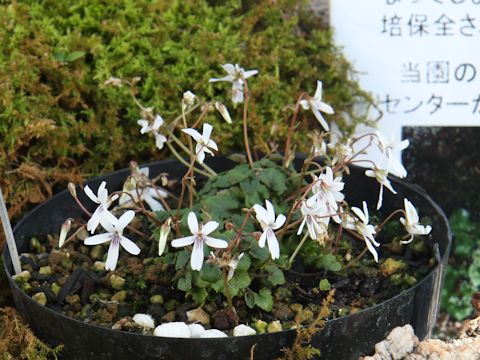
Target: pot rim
{"points": [[413, 187]]}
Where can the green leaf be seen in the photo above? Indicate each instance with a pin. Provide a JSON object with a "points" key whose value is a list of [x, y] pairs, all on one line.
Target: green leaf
{"points": [[60, 56], [199, 296], [255, 193], [240, 280], [325, 285], [74, 56], [276, 277], [250, 299], [220, 205], [185, 283], [274, 179], [182, 259], [210, 273], [264, 299], [218, 286], [244, 263], [330, 263]]}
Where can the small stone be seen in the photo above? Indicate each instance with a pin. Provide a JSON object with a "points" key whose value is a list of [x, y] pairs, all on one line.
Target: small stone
{"points": [[169, 316], [213, 333], [391, 266], [40, 298], [119, 296], [56, 257], [196, 330], [296, 307], [343, 312], [274, 326], [198, 316], [99, 266], [55, 288], [243, 330], [172, 329], [144, 320], [26, 287], [303, 315], [67, 264], [261, 326], [23, 277], [156, 299], [45, 270], [72, 299], [82, 234], [116, 281], [282, 293], [97, 252]]}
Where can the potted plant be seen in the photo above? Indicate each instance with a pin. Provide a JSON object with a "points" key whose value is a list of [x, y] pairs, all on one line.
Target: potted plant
{"points": [[243, 256]]}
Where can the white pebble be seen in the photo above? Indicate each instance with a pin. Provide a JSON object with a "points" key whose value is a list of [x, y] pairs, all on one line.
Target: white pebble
{"points": [[144, 320], [213, 333], [173, 330], [196, 330], [243, 330]]}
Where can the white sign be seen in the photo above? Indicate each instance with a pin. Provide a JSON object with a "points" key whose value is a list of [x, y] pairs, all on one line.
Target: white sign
{"points": [[420, 58]]}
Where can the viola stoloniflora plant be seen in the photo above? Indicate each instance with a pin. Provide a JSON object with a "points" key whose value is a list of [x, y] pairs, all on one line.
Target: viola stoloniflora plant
{"points": [[217, 254]]}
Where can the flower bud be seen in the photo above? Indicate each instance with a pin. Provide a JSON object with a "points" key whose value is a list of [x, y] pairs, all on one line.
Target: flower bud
{"points": [[72, 188], [64, 231], [164, 232], [222, 109]]}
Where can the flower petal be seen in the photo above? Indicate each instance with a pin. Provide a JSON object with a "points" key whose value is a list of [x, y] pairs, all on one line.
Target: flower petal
{"points": [[207, 131], [216, 243], [196, 261], [273, 245], [188, 240], [262, 214], [263, 238], [145, 126], [209, 227], [125, 219], [325, 108], [318, 91], [304, 104], [193, 133], [98, 239], [249, 73], [192, 222], [270, 212], [153, 204], [90, 194], [157, 123], [226, 78], [129, 245], [112, 256], [201, 156], [320, 118], [229, 68], [279, 222]]}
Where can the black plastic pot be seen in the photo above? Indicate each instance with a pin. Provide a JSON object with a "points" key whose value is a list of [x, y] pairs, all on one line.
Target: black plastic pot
{"points": [[344, 338]]}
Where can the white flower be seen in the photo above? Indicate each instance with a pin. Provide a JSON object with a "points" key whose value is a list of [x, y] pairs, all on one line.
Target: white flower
{"points": [[313, 213], [243, 330], [389, 148], [103, 202], [236, 75], [173, 330], [196, 330], [136, 185], [317, 105], [266, 218], [144, 320], [204, 143], [113, 81], [160, 139], [411, 222], [222, 109], [198, 239], [188, 100], [362, 227], [232, 265], [213, 333], [329, 189], [341, 151], [115, 228], [380, 174]]}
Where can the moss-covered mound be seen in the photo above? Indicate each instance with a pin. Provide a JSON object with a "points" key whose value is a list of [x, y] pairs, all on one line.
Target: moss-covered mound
{"points": [[59, 123]]}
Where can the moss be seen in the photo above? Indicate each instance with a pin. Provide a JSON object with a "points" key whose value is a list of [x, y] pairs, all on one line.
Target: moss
{"points": [[58, 123]]}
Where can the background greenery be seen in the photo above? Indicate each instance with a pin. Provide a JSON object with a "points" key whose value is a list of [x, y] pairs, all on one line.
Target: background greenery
{"points": [[58, 123]]}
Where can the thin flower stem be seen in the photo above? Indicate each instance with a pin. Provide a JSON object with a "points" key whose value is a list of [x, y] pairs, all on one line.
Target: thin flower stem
{"points": [[183, 161], [245, 129], [226, 288], [337, 239], [389, 217], [236, 241], [184, 179], [290, 261], [352, 262], [291, 127], [184, 148]]}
